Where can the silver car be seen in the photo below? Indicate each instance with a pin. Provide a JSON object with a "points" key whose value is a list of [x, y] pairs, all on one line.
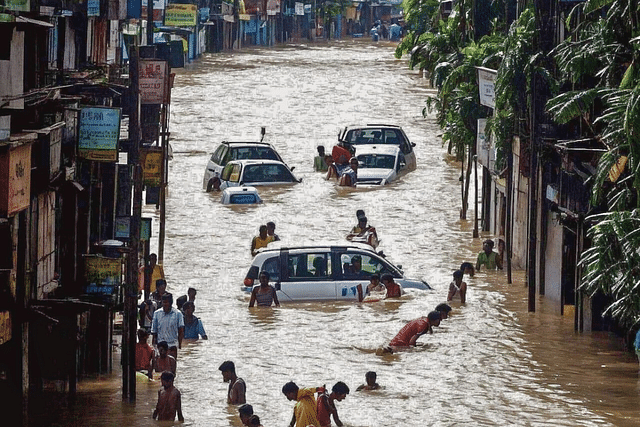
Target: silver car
{"points": [[316, 273]]}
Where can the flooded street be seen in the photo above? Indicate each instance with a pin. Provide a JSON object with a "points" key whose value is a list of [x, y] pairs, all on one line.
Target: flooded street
{"points": [[491, 363]]}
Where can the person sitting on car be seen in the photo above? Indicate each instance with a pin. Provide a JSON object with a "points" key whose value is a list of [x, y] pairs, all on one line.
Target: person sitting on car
{"points": [[261, 240]]}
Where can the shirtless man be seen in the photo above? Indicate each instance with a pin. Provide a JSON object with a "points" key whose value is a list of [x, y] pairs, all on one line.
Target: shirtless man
{"points": [[370, 377], [394, 290], [169, 400], [457, 288], [164, 361], [237, 386]]}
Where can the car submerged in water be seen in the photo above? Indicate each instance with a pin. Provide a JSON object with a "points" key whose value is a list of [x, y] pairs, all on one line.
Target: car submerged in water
{"points": [[228, 151], [239, 173], [322, 272], [379, 135], [379, 164]]}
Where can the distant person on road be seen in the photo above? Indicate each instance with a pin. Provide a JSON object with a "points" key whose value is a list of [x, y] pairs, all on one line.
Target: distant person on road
{"points": [[394, 290], [457, 288], [271, 231], [146, 310], [261, 240], [413, 330], [488, 258], [349, 176], [319, 164], [193, 328], [169, 400], [371, 384], [305, 412], [326, 404], [168, 325], [265, 294], [164, 362], [237, 386], [395, 31]]}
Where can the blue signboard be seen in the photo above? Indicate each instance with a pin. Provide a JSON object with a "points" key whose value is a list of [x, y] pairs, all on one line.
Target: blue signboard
{"points": [[98, 134], [93, 7], [134, 9]]}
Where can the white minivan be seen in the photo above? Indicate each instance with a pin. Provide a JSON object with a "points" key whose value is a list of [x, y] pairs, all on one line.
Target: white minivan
{"points": [[316, 273]]}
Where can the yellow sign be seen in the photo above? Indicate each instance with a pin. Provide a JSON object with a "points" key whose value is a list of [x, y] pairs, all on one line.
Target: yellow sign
{"points": [[102, 275], [180, 15], [5, 327], [152, 166], [15, 179]]}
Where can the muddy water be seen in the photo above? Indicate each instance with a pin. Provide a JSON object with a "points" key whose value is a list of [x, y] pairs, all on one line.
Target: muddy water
{"points": [[491, 363]]}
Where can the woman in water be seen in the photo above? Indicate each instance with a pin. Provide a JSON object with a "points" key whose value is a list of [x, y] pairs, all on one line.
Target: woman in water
{"points": [[265, 294]]}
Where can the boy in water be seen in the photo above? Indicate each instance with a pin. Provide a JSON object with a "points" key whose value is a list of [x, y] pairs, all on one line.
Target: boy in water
{"points": [[371, 384], [305, 412], [237, 386], [164, 361], [327, 406], [169, 400]]}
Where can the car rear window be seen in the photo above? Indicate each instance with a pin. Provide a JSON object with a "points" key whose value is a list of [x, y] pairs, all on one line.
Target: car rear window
{"points": [[242, 199], [263, 153], [382, 161], [266, 173]]}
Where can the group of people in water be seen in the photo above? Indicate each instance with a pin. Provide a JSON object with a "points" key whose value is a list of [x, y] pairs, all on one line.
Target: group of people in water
{"points": [[168, 327], [341, 164]]}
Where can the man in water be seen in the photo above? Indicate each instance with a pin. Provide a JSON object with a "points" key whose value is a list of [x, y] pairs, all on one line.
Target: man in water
{"points": [[169, 400], [488, 258], [305, 412], [349, 176], [413, 330], [327, 406], [168, 325], [237, 386]]}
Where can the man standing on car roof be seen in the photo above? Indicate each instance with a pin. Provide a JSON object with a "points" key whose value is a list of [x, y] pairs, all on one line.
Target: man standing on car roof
{"points": [[261, 240]]}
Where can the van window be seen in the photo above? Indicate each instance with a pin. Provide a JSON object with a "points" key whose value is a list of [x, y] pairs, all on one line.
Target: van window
{"points": [[356, 265], [243, 199], [309, 266], [271, 266], [217, 156]]}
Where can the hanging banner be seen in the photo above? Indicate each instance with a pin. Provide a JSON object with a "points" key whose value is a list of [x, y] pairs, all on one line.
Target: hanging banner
{"points": [[102, 275], [486, 86], [153, 81], [181, 15], [15, 179], [151, 166], [98, 134]]}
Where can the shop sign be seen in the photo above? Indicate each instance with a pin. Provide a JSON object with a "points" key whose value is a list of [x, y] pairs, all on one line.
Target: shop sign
{"points": [[153, 81], [151, 166], [102, 275], [273, 7], [299, 8], [486, 86], [5, 127], [5, 327], [18, 5], [99, 132], [307, 8], [15, 179], [93, 7], [5, 17], [123, 227], [180, 15]]}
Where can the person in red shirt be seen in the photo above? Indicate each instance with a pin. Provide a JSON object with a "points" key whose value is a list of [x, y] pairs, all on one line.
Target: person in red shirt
{"points": [[327, 406], [394, 290], [144, 353], [413, 330]]}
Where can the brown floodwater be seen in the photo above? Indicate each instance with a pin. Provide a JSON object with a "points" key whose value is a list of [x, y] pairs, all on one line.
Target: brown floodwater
{"points": [[491, 363]]}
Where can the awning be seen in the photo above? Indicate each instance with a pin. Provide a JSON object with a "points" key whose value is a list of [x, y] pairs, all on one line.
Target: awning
{"points": [[22, 19]]}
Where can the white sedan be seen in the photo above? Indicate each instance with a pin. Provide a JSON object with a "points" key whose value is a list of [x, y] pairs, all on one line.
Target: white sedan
{"points": [[379, 164]]}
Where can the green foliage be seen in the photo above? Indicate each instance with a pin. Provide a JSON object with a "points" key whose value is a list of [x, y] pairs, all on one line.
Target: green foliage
{"points": [[612, 264]]}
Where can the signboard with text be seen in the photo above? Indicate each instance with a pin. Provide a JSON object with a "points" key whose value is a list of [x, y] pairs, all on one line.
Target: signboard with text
{"points": [[93, 7], [151, 166], [98, 135], [15, 179], [153, 81], [486, 86], [102, 275], [180, 15]]}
